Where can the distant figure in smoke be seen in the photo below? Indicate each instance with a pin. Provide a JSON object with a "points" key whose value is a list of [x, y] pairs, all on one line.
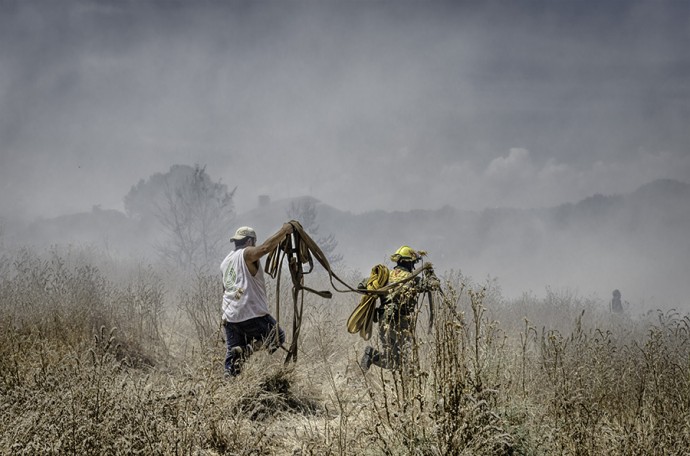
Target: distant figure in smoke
{"points": [[616, 303]]}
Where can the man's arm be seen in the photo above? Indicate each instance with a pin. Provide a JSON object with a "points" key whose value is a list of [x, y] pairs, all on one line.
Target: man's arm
{"points": [[252, 254]]}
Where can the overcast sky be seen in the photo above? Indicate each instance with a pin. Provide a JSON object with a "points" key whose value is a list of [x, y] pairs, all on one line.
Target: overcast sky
{"points": [[362, 104]]}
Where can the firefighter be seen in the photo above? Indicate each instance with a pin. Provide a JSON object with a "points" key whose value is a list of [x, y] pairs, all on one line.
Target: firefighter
{"points": [[395, 313]]}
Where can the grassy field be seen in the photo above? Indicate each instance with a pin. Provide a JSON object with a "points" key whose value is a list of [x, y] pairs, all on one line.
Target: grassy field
{"points": [[101, 357]]}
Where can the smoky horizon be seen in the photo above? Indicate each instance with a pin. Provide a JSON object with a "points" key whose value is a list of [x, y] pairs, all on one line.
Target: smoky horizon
{"points": [[500, 104], [391, 106]]}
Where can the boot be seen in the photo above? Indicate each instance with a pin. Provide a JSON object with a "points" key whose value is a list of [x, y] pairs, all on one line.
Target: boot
{"points": [[367, 358]]}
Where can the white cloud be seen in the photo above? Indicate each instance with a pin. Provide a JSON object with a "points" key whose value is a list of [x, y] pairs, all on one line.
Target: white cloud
{"points": [[516, 164], [517, 180]]}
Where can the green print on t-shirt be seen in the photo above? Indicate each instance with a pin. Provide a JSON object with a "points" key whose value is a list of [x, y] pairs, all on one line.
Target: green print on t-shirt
{"points": [[229, 279]]}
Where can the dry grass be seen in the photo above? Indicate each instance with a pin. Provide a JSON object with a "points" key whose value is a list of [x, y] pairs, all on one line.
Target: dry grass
{"points": [[99, 358]]}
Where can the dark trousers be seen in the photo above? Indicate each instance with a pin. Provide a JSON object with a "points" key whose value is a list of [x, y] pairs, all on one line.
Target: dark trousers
{"points": [[246, 334]]}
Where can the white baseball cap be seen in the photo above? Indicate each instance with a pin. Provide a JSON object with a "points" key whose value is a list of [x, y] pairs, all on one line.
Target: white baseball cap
{"points": [[244, 232]]}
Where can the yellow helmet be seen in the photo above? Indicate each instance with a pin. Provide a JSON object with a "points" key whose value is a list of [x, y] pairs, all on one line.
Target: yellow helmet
{"points": [[405, 253]]}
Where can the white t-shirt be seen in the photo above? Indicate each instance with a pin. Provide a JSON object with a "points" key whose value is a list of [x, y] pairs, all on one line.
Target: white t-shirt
{"points": [[245, 294]]}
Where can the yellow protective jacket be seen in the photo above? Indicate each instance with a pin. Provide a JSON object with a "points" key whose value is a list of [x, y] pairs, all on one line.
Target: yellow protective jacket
{"points": [[400, 300]]}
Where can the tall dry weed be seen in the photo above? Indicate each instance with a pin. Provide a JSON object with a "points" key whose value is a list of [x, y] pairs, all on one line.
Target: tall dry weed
{"points": [[85, 368]]}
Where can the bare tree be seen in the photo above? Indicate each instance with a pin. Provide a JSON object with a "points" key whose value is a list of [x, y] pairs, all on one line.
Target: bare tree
{"points": [[193, 211]]}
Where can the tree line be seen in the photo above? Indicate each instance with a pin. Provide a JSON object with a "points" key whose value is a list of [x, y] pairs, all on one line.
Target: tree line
{"points": [[195, 215]]}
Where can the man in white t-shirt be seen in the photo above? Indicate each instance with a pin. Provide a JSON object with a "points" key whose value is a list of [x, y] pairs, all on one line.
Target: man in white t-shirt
{"points": [[245, 311]]}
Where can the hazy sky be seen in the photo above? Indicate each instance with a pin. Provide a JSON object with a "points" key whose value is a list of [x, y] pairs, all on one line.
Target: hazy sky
{"points": [[362, 104]]}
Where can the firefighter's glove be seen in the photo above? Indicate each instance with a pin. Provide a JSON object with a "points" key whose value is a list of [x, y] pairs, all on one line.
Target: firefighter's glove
{"points": [[431, 282]]}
